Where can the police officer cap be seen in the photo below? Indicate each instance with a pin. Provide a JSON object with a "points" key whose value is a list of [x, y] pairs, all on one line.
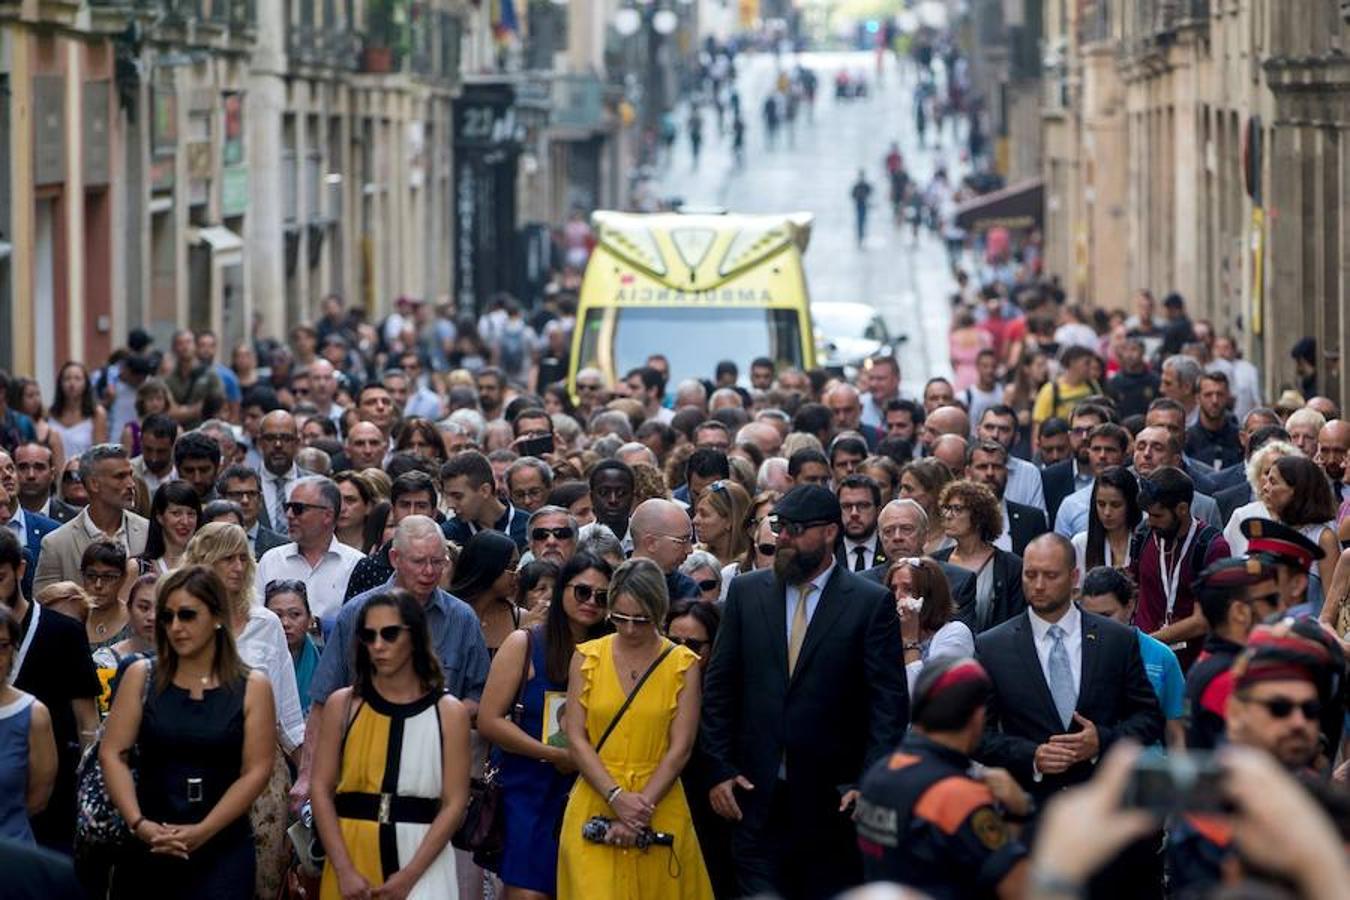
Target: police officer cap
{"points": [[1280, 543], [1234, 575], [1293, 649], [941, 677], [808, 503]]}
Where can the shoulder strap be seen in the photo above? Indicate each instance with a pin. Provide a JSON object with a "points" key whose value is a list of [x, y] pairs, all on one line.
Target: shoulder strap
{"points": [[632, 696], [1200, 548], [518, 710]]}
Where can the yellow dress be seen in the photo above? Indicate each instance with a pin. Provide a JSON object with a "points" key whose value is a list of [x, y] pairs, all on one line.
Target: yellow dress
{"points": [[588, 871]]}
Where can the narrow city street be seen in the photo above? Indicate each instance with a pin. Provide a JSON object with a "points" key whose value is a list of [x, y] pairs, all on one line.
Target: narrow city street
{"points": [[812, 168]]}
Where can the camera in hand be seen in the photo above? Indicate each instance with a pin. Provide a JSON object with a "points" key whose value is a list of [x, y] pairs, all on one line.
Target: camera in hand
{"points": [[596, 830], [1177, 783]]}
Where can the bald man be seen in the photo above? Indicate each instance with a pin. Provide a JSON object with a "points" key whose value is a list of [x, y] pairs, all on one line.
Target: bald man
{"points": [[943, 420], [951, 449], [1333, 442], [661, 532], [763, 435], [845, 404], [278, 444], [366, 446]]}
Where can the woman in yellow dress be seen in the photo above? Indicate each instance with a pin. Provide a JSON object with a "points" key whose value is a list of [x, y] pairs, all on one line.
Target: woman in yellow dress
{"points": [[633, 780]]}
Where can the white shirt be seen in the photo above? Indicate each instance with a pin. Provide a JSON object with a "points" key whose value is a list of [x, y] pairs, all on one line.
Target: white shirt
{"points": [[1237, 541], [1004, 540], [262, 645], [269, 490], [1072, 623], [21, 532], [951, 641], [1024, 483], [152, 481], [326, 582], [1079, 542], [794, 591], [870, 552]]}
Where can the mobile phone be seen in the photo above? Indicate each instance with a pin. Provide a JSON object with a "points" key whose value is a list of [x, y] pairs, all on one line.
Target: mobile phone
{"points": [[1176, 783], [536, 446]]}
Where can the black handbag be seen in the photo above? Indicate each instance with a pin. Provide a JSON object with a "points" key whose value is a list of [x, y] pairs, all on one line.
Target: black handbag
{"points": [[483, 830]]}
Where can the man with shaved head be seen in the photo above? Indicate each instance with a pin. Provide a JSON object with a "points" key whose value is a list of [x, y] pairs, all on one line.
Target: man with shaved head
{"points": [[278, 442], [763, 435], [661, 532], [943, 420], [845, 404], [951, 449], [1333, 442]]}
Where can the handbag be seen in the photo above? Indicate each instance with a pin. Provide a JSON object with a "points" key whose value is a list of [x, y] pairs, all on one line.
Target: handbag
{"points": [[98, 823], [483, 830]]}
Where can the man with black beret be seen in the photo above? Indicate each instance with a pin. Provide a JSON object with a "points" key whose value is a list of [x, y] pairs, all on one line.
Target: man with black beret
{"points": [[805, 690]]}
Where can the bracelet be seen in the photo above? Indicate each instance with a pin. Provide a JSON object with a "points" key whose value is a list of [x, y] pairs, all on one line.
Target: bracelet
{"points": [[913, 645], [136, 824], [613, 792]]}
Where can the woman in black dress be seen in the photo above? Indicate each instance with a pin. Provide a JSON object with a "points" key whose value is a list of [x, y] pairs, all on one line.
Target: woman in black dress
{"points": [[203, 731]]}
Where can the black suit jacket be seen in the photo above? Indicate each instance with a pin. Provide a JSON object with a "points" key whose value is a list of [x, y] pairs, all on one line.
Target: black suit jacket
{"points": [[1057, 483], [959, 581], [845, 706], [1025, 524], [61, 511], [266, 539], [1229, 499], [1008, 600], [1114, 694], [844, 558]]}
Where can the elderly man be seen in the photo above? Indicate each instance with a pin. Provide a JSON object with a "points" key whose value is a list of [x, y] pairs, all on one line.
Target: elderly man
{"points": [[106, 474], [1333, 442], [1181, 382], [636, 453], [553, 534], [314, 555], [1304, 425], [845, 406], [763, 435], [902, 525], [951, 449], [528, 481], [661, 532], [419, 559], [412, 494], [773, 475], [941, 421], [278, 442], [691, 393], [366, 446]]}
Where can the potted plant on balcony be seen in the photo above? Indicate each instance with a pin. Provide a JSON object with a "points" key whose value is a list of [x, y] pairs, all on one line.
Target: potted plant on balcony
{"points": [[386, 35]]}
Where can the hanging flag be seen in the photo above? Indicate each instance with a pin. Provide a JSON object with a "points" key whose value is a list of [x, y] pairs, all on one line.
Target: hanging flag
{"points": [[504, 20]]}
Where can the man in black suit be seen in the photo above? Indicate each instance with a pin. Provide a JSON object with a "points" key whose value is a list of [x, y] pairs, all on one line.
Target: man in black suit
{"points": [[240, 484], [1064, 477], [804, 691], [902, 526], [987, 461], [845, 405], [859, 547], [1067, 684], [1240, 493]]}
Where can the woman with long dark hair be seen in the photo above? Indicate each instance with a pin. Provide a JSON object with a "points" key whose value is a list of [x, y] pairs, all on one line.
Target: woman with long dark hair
{"points": [[1113, 514], [1297, 494], [203, 736], [358, 504], [175, 514], [535, 770], [75, 413], [403, 760], [421, 438], [486, 580]]}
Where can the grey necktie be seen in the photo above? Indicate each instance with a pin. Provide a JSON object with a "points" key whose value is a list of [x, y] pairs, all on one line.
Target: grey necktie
{"points": [[280, 515], [1061, 676]]}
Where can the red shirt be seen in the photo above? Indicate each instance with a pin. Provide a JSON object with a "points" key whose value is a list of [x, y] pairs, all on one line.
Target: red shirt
{"points": [[1151, 613]]}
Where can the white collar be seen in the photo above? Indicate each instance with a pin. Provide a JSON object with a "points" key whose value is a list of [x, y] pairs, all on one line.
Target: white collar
{"points": [[291, 474], [1069, 622], [820, 580], [870, 543]]}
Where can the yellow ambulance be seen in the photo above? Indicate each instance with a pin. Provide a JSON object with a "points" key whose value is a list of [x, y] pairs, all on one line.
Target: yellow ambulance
{"points": [[698, 288]]}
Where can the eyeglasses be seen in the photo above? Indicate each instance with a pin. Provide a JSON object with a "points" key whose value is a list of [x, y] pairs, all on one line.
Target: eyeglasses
{"points": [[709, 584], [766, 549], [692, 643], [426, 562], [70, 478], [683, 540], [241, 496], [953, 509], [564, 533], [184, 615], [860, 506], [1283, 707], [275, 438], [389, 634], [92, 577], [794, 529], [296, 508], [621, 619], [587, 594]]}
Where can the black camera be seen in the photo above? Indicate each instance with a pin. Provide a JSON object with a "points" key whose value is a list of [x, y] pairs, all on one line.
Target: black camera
{"points": [[596, 830]]}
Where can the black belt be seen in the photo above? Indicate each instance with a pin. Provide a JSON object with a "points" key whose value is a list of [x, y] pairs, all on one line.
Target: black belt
{"points": [[387, 808]]}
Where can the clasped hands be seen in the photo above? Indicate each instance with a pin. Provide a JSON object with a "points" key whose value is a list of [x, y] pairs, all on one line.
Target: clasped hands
{"points": [[1065, 750], [171, 840]]}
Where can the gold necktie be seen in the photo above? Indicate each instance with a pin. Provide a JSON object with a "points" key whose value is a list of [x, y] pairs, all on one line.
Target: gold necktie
{"points": [[798, 633]]}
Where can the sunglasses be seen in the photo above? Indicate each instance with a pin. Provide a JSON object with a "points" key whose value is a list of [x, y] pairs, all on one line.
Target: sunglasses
{"points": [[794, 529], [102, 577], [709, 584], [587, 594], [185, 615], [766, 549], [692, 643], [389, 634], [621, 619], [560, 534], [296, 508], [1283, 707]]}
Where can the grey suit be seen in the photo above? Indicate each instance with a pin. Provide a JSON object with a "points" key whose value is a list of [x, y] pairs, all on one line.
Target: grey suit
{"points": [[64, 547], [266, 539]]}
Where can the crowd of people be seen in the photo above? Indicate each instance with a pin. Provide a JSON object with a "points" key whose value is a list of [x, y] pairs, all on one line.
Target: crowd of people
{"points": [[401, 615]]}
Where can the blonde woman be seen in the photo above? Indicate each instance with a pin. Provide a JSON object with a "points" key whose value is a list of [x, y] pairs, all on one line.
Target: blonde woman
{"points": [[224, 549], [719, 519]]}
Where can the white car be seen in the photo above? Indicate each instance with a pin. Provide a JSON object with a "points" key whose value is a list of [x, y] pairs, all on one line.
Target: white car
{"points": [[847, 334]]}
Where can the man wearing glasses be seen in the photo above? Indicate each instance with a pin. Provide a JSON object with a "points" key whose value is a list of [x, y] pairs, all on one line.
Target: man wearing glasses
{"points": [[805, 690], [278, 442], [242, 485], [418, 558], [1061, 479], [314, 554], [661, 532]]}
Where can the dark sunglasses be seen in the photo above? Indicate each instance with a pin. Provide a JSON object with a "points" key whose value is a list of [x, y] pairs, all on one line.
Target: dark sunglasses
{"points": [[709, 584], [187, 614], [692, 643], [296, 508], [587, 594], [766, 549], [564, 533], [70, 478], [389, 634], [1283, 707], [794, 529]]}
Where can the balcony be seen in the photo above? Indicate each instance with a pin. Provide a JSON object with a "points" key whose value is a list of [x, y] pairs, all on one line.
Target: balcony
{"points": [[409, 37], [1095, 25]]}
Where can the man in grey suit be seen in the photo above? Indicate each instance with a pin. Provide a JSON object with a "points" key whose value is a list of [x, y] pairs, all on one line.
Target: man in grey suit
{"points": [[106, 473], [903, 525], [241, 485]]}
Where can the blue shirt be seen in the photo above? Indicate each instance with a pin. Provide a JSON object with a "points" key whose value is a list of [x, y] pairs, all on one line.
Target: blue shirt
{"points": [[229, 382], [1073, 512], [455, 634], [1164, 673], [512, 524]]}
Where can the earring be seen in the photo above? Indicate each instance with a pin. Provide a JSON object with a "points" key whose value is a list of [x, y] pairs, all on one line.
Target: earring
{"points": [[217, 626]]}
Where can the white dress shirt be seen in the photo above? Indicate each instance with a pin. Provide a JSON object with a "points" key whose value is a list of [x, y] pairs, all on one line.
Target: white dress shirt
{"points": [[870, 552], [794, 591], [952, 641], [326, 582], [1072, 623], [262, 645]]}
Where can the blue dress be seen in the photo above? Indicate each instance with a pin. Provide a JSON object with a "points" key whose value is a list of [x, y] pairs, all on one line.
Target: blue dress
{"points": [[15, 718], [534, 793]]}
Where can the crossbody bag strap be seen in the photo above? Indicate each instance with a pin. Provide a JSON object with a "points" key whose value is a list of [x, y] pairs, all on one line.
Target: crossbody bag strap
{"points": [[518, 710], [629, 701]]}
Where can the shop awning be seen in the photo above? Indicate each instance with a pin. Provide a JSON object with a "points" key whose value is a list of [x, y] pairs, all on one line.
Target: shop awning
{"points": [[1020, 206], [225, 244]]}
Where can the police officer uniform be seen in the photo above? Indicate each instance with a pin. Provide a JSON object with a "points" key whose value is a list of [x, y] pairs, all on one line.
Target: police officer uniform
{"points": [[925, 823], [1278, 544]]}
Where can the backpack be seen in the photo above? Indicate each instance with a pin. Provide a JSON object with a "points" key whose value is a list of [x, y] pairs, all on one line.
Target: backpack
{"points": [[1199, 547], [511, 348]]}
